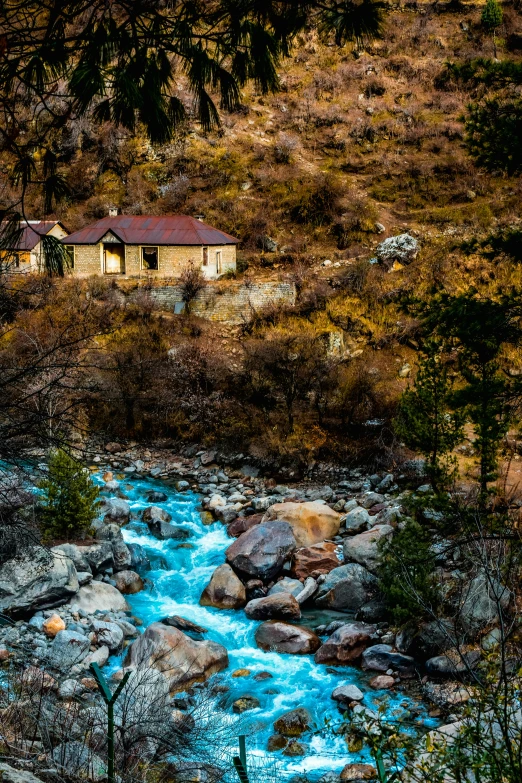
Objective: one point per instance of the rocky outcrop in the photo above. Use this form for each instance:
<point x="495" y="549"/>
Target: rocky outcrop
<point x="99" y="596"/>
<point x="284" y="638"/>
<point x="314" y="560"/>
<point x="36" y="579"/>
<point x="279" y="606"/>
<point x="225" y="590"/>
<point x="346" y="644"/>
<point x="181" y="660"/>
<point x="364" y="548"/>
<point x="311" y="522"/>
<point x="262" y="551"/>
<point x="347" y="588"/>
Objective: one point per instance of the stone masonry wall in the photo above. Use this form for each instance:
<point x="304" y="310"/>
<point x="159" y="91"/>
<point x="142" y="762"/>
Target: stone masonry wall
<point x="231" y="302"/>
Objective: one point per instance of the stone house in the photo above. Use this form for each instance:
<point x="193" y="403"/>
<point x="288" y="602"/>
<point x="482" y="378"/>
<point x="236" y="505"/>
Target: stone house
<point x="26" y="255"/>
<point x="145" y="246"/>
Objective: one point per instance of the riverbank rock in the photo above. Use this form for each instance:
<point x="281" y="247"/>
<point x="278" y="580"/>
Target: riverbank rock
<point x="128" y="582"/>
<point x="346" y="694"/>
<point x="364" y="547"/>
<point x="357" y="520"/>
<point x="120" y="551"/>
<point x="115" y="510"/>
<point x="311" y="522"/>
<point x="382" y="682"/>
<point x="280" y="606"/>
<point x="402" y="249"/>
<point x="225" y="590"/>
<point x="317" y="559"/>
<point x="99" y="596"/>
<point x="287" y="585"/>
<point x="357" y="772"/>
<point x="453" y="663"/>
<point x="293" y="723"/>
<point x="242" y="524"/>
<point x="75" y="554"/>
<point x="285" y="638"/>
<point x="346" y="644"/>
<point x="380" y="658"/>
<point x="244" y="704"/>
<point x="53" y="625"/>
<point x="68" y="649"/>
<point x="36" y="579"/>
<point x="181" y="660"/>
<point x="261" y="551"/>
<point x="347" y="588"/>
<point x="481" y="599"/>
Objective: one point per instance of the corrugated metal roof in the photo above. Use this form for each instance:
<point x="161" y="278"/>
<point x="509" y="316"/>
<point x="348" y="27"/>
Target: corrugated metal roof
<point x="146" y="230"/>
<point x="32" y="233"/>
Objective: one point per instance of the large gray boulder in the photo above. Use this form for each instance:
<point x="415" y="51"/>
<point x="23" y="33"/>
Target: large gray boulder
<point x="181" y="660"/>
<point x="9" y="774"/>
<point x="76" y="759"/>
<point x="36" y="579"/>
<point x="68" y="649"/>
<point x="262" y="551"/>
<point x="365" y="548"/>
<point x="347" y="588"/>
<point x="74" y="553"/>
<point x="346" y="644"/>
<point x="285" y="638"/>
<point x="116" y="510"/>
<point x="225" y="590"/>
<point x="480" y="602"/>
<point x="402" y="248"/>
<point x="287" y="585"/>
<point x="108" y="634"/>
<point x="280" y="606"/>
<point x="381" y="657"/>
<point x="121" y="554"/>
<point x="99" y="556"/>
<point x="97" y="597"/>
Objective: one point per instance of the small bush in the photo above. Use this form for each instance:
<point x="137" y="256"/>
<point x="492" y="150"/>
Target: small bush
<point x="69" y="498"/>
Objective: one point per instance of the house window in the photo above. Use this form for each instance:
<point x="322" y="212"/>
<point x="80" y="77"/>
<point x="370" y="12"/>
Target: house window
<point x="113" y="258"/>
<point x="16" y="260"/>
<point x="69" y="252"/>
<point x="205" y="256"/>
<point x="149" y="258"/>
<point x="218" y="262"/>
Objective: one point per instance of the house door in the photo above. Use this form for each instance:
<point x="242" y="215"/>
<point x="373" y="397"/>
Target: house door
<point x="113" y="259"/>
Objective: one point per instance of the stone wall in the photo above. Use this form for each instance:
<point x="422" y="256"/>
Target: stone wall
<point x="232" y="302"/>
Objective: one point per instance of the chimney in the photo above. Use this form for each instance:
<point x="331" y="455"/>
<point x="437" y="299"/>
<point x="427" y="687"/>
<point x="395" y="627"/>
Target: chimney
<point x="199" y="217"/>
<point x="113" y="211"/>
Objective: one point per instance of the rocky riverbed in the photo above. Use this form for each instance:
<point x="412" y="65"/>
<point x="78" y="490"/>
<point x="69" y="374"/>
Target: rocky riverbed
<point x="198" y="569"/>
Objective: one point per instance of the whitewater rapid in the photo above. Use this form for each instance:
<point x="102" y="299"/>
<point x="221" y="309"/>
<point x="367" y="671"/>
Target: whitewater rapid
<point x="179" y="573"/>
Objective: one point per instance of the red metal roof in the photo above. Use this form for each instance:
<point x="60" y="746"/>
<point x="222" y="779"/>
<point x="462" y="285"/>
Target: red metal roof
<point x="32" y="233"/>
<point x="146" y="230"/>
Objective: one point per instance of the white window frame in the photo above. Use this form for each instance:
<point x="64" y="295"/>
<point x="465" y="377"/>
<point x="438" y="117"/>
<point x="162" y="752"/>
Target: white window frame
<point x="142" y="262"/>
<point x="219" y="261"/>
<point x="204" y="255"/>
<point x="71" y="250"/>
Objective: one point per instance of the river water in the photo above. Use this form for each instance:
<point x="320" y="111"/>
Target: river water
<point x="179" y="573"/>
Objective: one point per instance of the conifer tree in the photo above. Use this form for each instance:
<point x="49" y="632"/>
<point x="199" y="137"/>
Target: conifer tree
<point x="69" y="498"/>
<point x="491" y="19"/>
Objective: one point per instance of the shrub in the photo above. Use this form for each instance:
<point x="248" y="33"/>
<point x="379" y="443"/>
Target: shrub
<point x="69" y="498"/>
<point x="407" y="573"/>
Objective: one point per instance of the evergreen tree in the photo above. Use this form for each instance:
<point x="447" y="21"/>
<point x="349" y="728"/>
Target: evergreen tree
<point x="425" y="421"/>
<point x="492" y="18"/>
<point x="69" y="498"/>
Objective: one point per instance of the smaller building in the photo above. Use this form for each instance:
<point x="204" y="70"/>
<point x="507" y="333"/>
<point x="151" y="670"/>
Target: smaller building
<point x="27" y="254"/>
<point x="145" y="246"/>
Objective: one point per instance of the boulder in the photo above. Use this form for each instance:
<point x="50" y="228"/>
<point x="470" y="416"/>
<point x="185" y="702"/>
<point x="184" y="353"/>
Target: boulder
<point x="76" y="759"/>
<point x="370" y="499"/>
<point x="68" y="649"/>
<point x="120" y="551"/>
<point x="181" y="660"/>
<point x="108" y="634"/>
<point x="453" y="663"/>
<point x="53" y="625"/>
<point x="402" y="249"/>
<point x="317" y="559"/>
<point x="382" y="682"/>
<point x="9" y="774"/>
<point x="480" y="601"/>
<point x="99" y="596"/>
<point x="225" y="590"/>
<point x="357" y="772"/>
<point x="158" y="521"/>
<point x="347" y="588"/>
<point x="261" y="551"/>
<point x="280" y="606"/>
<point x="287" y="585"/>
<point x="311" y="522"/>
<point x="285" y="638"/>
<point x="293" y="723"/>
<point x="75" y="553"/>
<point x="157" y="497"/>
<point x="36" y="579"/>
<point x="116" y="510"/>
<point x="346" y="644"/>
<point x="380" y="658"/>
<point x="242" y="524"/>
<point x="138" y="557"/>
<point x="99" y="556"/>
<point x="346" y="694"/>
<point x="244" y="704"/>
<point x="226" y="514"/>
<point x="357" y="520"/>
<point x="364" y="548"/>
<point x="128" y="582"/>
<point x="154" y="514"/>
